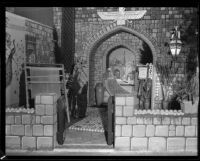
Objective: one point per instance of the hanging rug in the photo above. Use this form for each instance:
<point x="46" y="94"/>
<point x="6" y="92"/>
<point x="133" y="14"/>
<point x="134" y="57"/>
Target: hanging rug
<point x="95" y="121"/>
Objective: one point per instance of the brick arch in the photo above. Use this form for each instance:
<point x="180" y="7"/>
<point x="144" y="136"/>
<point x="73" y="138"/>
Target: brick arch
<point x="96" y="39"/>
<point x="108" y="31"/>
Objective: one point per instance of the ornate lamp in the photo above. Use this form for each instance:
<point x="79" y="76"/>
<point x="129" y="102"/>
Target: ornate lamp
<point x="175" y="42"/>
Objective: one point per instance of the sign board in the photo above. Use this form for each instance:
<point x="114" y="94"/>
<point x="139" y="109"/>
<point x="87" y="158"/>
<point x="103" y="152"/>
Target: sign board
<point x="143" y="72"/>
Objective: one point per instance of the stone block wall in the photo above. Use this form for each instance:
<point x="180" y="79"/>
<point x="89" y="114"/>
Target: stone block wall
<point x="41" y="37"/>
<point x="148" y="132"/>
<point x="90" y="28"/>
<point x="158" y="21"/>
<point x="33" y="131"/>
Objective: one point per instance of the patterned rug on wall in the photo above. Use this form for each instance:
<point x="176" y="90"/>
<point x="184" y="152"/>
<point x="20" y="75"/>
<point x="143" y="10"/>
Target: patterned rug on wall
<point x="95" y="121"/>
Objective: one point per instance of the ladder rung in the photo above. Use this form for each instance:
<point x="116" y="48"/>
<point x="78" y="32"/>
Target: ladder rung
<point x="45" y="82"/>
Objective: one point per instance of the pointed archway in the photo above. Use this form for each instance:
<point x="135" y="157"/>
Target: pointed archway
<point x="97" y="39"/>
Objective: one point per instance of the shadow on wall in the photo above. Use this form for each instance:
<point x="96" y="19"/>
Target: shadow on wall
<point x="146" y="54"/>
<point x="58" y="59"/>
<point x="22" y="89"/>
<point x="57" y="49"/>
<point x="189" y="37"/>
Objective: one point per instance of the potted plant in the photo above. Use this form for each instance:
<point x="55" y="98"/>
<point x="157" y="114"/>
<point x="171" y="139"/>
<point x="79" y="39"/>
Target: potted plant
<point x="166" y="74"/>
<point x="187" y="93"/>
<point x="146" y="93"/>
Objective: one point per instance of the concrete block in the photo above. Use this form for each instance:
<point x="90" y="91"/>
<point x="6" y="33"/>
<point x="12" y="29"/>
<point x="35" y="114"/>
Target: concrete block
<point x="118" y="111"/>
<point x="128" y="111"/>
<point x="120" y="101"/>
<point x="131" y="120"/>
<point x="48" y="130"/>
<point x="55" y="98"/>
<point x="162" y="130"/>
<point x="29" y="143"/>
<point x="189" y="130"/>
<point x="157" y="144"/>
<point x="140" y="120"/>
<point x="194" y="121"/>
<point x="47" y="119"/>
<point x="196" y="130"/>
<point x="120" y="120"/>
<point x="18" y="120"/>
<point x="8" y="130"/>
<point x="12" y="142"/>
<point x="55" y="109"/>
<point x="130" y="101"/>
<point x="26" y="119"/>
<point x="157" y="120"/>
<point x="150" y="130"/>
<point x="179" y="130"/>
<point x="191" y="144"/>
<point x="139" y="130"/>
<point x="9" y="119"/>
<point x="186" y="121"/>
<point x="38" y="119"/>
<point x="118" y="130"/>
<point x="37" y="100"/>
<point x="148" y="120"/>
<point x="166" y="120"/>
<point x="49" y="109"/>
<point x="122" y="143"/>
<point x="172" y="120"/>
<point x="176" y="144"/>
<point x="178" y="120"/>
<point x="28" y="130"/>
<point x="54" y="118"/>
<point x="17" y="130"/>
<point x="40" y="109"/>
<point x="44" y="143"/>
<point x="38" y="130"/>
<point x="126" y="130"/>
<point x="33" y="119"/>
<point x="47" y="100"/>
<point x="172" y="127"/>
<point x="139" y="144"/>
<point x="172" y="133"/>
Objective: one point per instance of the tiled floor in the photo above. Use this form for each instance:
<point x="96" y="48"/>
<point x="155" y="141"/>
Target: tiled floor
<point x="95" y="120"/>
<point x="84" y="140"/>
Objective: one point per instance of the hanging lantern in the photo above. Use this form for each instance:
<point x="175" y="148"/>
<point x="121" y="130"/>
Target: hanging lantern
<point x="175" y="42"/>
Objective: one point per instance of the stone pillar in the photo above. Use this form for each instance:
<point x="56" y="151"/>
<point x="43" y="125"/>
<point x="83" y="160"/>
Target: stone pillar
<point x="46" y="116"/>
<point x="123" y="112"/>
<point x="33" y="131"/>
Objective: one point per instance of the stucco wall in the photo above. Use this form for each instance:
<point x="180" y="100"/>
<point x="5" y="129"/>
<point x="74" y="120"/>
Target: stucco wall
<point x="27" y="41"/>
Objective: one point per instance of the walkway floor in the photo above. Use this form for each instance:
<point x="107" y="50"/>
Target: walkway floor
<point x="84" y="137"/>
<point x="94" y="152"/>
